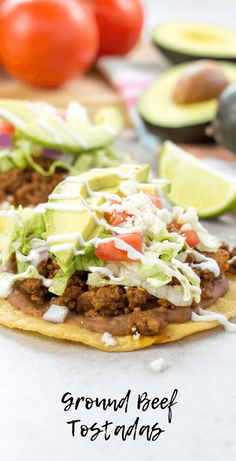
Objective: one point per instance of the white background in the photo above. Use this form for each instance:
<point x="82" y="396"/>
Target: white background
<point x="35" y="371"/>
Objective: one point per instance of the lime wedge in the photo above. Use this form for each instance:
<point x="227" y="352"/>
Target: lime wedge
<point x="195" y="184"/>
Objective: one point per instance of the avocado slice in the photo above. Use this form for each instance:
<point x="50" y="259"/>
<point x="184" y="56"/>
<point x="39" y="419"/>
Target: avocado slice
<point x="185" y="41"/>
<point x="41" y="124"/>
<point x="8" y="227"/>
<point x="223" y="128"/>
<point x="63" y="222"/>
<point x="178" y="122"/>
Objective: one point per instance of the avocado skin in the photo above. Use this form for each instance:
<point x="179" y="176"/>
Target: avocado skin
<point x="177" y="57"/>
<point x="185" y="134"/>
<point x="224" y="126"/>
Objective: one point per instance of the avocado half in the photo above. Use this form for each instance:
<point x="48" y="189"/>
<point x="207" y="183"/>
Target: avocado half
<point x="186" y="41"/>
<point x="224" y="125"/>
<point x="180" y="123"/>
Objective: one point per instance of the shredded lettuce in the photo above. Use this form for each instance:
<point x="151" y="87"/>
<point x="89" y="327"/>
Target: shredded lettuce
<point x="24" y="153"/>
<point x="59" y="282"/>
<point x="101" y="158"/>
<point x="84" y="262"/>
<point x="18" y="228"/>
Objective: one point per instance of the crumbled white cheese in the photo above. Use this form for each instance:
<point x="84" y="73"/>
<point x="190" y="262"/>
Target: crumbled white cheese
<point x="56" y="314"/>
<point x="5" y="205"/>
<point x="158" y="364"/>
<point x="108" y="339"/>
<point x="128" y="187"/>
<point x="136" y="334"/>
<point x="186" y="227"/>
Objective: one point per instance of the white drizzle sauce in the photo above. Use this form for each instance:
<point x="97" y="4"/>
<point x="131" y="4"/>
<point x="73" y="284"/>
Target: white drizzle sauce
<point x="120" y="244"/>
<point x="119" y="174"/>
<point x="8" y="280"/>
<point x="66" y="247"/>
<point x="35" y="256"/>
<point x="46" y="127"/>
<point x="207" y="316"/>
<point x="105" y="271"/>
<point x="6" y="114"/>
<point x="203" y="263"/>
<point x="70" y="132"/>
<point x="99" y="222"/>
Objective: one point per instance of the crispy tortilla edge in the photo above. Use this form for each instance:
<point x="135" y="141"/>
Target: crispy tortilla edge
<point x="12" y="317"/>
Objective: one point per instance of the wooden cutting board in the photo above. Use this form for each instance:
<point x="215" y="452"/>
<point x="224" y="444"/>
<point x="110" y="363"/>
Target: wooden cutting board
<point x="91" y="90"/>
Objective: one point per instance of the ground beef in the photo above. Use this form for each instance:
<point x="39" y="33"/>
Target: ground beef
<point x="34" y="289"/>
<point x="137" y="297"/>
<point x="27" y="187"/>
<point x="113" y="300"/>
<point x="221" y="257"/>
<point x="224" y="245"/>
<point x="232" y="267"/>
<point x="146" y="323"/>
<point x="106" y="301"/>
<point x="75" y="288"/>
<point x="48" y="268"/>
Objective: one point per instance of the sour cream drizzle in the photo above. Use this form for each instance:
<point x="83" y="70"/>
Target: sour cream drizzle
<point x="203" y="262"/>
<point x="232" y="260"/>
<point x="6" y="114"/>
<point x="208" y="316"/>
<point x="133" y="254"/>
<point x="35" y="256"/>
<point x="70" y="132"/>
<point x="8" y="280"/>
<point x="46" y="127"/>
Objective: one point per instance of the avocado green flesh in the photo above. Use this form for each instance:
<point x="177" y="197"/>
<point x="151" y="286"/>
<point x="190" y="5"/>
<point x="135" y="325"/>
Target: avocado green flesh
<point x="198" y="40"/>
<point x="7" y="231"/>
<point x="62" y="222"/>
<point x="49" y="130"/>
<point x="157" y="108"/>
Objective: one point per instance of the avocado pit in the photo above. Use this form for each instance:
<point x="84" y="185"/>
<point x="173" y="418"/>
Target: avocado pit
<point x="202" y="81"/>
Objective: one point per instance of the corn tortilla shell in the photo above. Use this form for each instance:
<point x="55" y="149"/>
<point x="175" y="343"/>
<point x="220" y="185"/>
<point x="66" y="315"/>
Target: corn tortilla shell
<point x="15" y="318"/>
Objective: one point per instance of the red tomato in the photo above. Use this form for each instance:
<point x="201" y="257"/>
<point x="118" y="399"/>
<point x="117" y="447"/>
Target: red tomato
<point x="191" y="236"/>
<point x="116" y="217"/>
<point x="108" y="251"/>
<point x="120" y="24"/>
<point x="47" y="42"/>
<point x="6" y="127"/>
<point x="156" y="201"/>
<point x="119" y="218"/>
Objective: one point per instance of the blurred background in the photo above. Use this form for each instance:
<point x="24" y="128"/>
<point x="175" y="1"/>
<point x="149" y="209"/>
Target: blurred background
<point x="202" y="10"/>
<point x="103" y="52"/>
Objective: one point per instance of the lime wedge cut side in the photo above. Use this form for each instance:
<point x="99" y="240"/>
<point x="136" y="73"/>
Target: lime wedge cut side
<point x="195" y="184"/>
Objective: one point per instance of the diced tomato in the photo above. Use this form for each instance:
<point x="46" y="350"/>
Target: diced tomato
<point x="108" y="251"/>
<point x="6" y="127"/>
<point x="119" y="218"/>
<point x="191" y="236"/>
<point x="116" y="217"/>
<point x="155" y="200"/>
